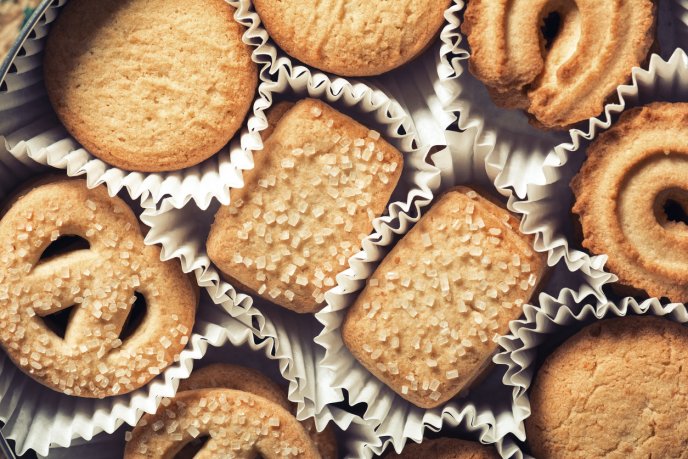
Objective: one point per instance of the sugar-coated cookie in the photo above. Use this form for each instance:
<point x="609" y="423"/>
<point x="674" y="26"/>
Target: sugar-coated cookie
<point x="93" y="358"/>
<point x="316" y="187"/>
<point x="426" y="321"/>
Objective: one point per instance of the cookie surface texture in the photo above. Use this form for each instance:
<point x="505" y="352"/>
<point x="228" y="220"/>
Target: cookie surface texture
<point x="227" y="376"/>
<point x="137" y="85"/>
<point x="92" y="359"/>
<point x="425" y="322"/>
<point x="615" y="390"/>
<point x="569" y="75"/>
<point x="309" y="201"/>
<point x="353" y="37"/>
<point x="238" y="425"/>
<point x="445" y="448"/>
<point x="632" y="197"/>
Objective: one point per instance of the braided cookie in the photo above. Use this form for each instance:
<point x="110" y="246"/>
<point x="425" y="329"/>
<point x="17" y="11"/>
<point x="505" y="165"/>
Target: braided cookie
<point x="227" y="376"/>
<point x="309" y="201"/>
<point x="615" y="390"/>
<point x="139" y="85"/>
<point x="445" y="448"/>
<point x="568" y="79"/>
<point x="100" y="282"/>
<point x="239" y="425"/>
<point x="425" y="323"/>
<point x="356" y="37"/>
<point x="636" y="172"/>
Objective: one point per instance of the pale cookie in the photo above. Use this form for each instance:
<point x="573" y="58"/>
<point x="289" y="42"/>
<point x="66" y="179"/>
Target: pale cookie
<point x="238" y="424"/>
<point x="91" y="360"/>
<point x="425" y="323"/>
<point x="141" y="88"/>
<point x="222" y="375"/>
<point x="309" y="201"/>
<point x="445" y="448"/>
<point x="356" y="37"/>
<point x="615" y="390"/>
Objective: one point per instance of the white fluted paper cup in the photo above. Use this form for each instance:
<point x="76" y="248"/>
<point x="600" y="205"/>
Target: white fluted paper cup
<point x="28" y="126"/>
<point x="527" y="343"/>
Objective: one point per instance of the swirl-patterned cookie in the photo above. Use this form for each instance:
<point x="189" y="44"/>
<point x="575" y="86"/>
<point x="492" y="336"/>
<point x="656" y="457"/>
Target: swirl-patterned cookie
<point x="100" y="283"/>
<point x="356" y="37"/>
<point x="566" y="78"/>
<point x="632" y="198"/>
<point x="236" y="424"/>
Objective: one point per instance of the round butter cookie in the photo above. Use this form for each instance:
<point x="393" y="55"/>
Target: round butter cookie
<point x="354" y="37"/>
<point x="632" y="198"/>
<point x="617" y="389"/>
<point x="149" y="85"/>
<point x="558" y="60"/>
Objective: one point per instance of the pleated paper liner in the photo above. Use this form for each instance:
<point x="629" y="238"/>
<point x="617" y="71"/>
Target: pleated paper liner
<point x="36" y="417"/>
<point x="490" y="405"/>
<point x="547" y="209"/>
<point x="518" y="158"/>
<point x="29" y="126"/>
<point x="183" y="232"/>
<point x="531" y="338"/>
<point x="228" y="342"/>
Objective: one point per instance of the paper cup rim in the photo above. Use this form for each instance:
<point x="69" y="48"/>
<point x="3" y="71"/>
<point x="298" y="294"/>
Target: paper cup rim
<point x="519" y="350"/>
<point x="202" y="183"/>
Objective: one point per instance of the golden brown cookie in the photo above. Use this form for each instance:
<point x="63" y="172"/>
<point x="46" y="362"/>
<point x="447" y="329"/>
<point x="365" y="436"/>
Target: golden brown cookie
<point x="93" y="358"/>
<point x="445" y="448"/>
<point x="565" y="78"/>
<point x="139" y="87"/>
<point x="237" y="424"/>
<point x="617" y="389"/>
<point x="222" y="375"/>
<point x="632" y="197"/>
<point x="424" y="325"/>
<point x="309" y="201"/>
<point x="356" y="37"/>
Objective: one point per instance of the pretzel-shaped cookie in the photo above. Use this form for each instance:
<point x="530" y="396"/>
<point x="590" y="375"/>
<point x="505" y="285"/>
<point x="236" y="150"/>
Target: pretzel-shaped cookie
<point x="239" y="425"/>
<point x="91" y="360"/>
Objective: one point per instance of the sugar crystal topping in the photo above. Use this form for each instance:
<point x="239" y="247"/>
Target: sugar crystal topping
<point x="451" y="287"/>
<point x="239" y="424"/>
<point x="91" y="360"/>
<point x="309" y="230"/>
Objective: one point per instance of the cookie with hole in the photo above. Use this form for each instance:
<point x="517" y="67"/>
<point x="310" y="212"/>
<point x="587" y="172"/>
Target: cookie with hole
<point x="631" y="199"/>
<point x="427" y="320"/>
<point x="560" y="61"/>
<point x="229" y="376"/>
<point x="311" y="198"/>
<point x="96" y="319"/>
<point x="216" y="422"/>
